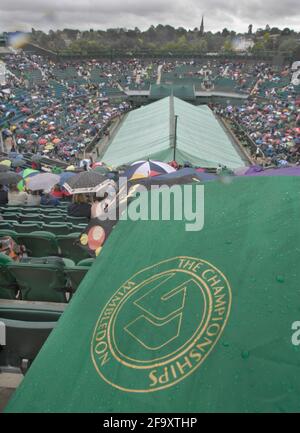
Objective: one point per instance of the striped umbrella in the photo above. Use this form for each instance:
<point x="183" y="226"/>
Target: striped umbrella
<point x="142" y="169"/>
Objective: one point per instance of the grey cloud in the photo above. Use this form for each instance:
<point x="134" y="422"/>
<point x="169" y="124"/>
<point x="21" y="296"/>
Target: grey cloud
<point x="85" y="14"/>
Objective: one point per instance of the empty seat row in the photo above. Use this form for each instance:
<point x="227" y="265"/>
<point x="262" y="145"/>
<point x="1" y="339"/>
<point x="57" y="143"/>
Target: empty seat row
<point x="29" y="226"/>
<point x="43" y="243"/>
<point x="20" y="217"/>
<point x="41" y="209"/>
<point x="46" y="279"/>
<point x="27" y="327"/>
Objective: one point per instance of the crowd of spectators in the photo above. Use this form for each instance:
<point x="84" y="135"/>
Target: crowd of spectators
<point x="34" y="118"/>
<point x="271" y="122"/>
<point x="57" y="109"/>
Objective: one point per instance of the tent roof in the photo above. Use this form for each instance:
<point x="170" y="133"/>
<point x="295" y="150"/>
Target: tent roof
<point x="148" y="132"/>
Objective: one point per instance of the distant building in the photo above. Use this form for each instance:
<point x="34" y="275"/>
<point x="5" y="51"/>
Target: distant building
<point x="3" y="40"/>
<point x="202" y="27"/>
<point x="242" y="44"/>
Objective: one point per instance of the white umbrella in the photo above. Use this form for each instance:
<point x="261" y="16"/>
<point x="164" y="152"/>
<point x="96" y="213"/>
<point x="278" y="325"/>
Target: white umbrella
<point x="42" y="181"/>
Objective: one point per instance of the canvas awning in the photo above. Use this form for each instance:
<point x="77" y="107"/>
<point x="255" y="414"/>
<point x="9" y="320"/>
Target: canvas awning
<point x="149" y="133"/>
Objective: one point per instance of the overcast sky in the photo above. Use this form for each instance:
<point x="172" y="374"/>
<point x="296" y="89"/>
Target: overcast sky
<point x="103" y="14"/>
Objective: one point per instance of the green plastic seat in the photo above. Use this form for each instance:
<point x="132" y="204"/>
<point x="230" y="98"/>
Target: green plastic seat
<point x="57" y="229"/>
<point x="5" y="225"/>
<point x="30" y="210"/>
<point x="76" y="275"/>
<point x="11" y="233"/>
<point x="8" y="208"/>
<point x="55" y="223"/>
<point x="49" y="260"/>
<point x="8" y="284"/>
<point x="48" y="219"/>
<point x="26" y="331"/>
<point x="11" y="216"/>
<point x="46" y="210"/>
<point x="39" y="243"/>
<point x="8" y="213"/>
<point x="86" y="262"/>
<point x="40" y="282"/>
<point x="68" y="247"/>
<point x="76" y="228"/>
<point x="68" y="262"/>
<point x="27" y="227"/>
<point x="29" y="217"/>
<point x="77" y="220"/>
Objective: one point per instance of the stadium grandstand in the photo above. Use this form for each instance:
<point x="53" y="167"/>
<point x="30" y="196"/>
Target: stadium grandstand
<point x="103" y="310"/>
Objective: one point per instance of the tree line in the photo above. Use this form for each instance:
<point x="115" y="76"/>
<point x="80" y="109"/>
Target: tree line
<point x="167" y="39"/>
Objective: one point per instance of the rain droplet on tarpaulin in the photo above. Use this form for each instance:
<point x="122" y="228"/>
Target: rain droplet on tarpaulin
<point x="245" y="354"/>
<point x="280" y="278"/>
<point x="225" y="344"/>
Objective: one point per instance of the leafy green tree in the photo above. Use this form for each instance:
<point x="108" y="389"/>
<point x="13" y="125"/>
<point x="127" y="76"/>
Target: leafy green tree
<point x="228" y="47"/>
<point x="225" y="32"/>
<point x="288" y="44"/>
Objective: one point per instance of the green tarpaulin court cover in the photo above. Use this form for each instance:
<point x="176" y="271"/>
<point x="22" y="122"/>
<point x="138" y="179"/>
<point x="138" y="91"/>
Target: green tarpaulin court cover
<point x="158" y="91"/>
<point x="148" y="133"/>
<point x="168" y="320"/>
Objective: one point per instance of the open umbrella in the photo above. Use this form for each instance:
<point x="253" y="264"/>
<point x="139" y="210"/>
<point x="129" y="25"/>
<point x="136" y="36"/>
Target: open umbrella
<point x="28" y="172"/>
<point x="18" y="162"/>
<point x="6" y="162"/>
<point x="42" y="181"/>
<point x="86" y="182"/>
<point x="49" y="147"/>
<point x="97" y="164"/>
<point x="36" y="158"/>
<point x="13" y="155"/>
<point x="56" y="170"/>
<point x="65" y="176"/>
<point x="142" y="169"/>
<point x="9" y="178"/>
<point x="3" y="168"/>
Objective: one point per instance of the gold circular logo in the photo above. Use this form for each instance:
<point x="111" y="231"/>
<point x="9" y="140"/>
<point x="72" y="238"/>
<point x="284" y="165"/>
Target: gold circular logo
<point x="161" y="324"/>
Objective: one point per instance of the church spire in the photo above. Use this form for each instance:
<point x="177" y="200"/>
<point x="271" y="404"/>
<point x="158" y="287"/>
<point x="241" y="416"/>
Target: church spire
<point x="202" y="27"/>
